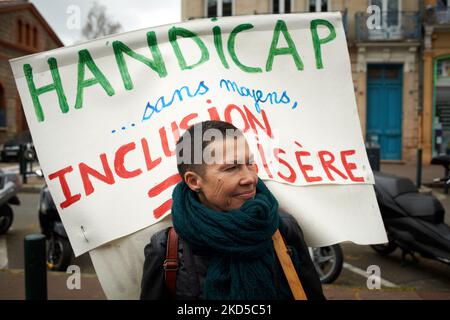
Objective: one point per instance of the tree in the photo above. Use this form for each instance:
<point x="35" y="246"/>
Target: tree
<point x="98" y="24"/>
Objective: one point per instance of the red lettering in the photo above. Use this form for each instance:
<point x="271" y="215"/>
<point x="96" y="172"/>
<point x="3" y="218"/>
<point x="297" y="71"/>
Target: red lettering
<point x="85" y="171"/>
<point x="327" y="165"/>
<point x="119" y="160"/>
<point x="213" y="114"/>
<point x="164" y="141"/>
<point x="184" y="124"/>
<point x="291" y="178"/>
<point x="305" y="167"/>
<point x="61" y="175"/>
<point x="253" y="120"/>
<point x="227" y="114"/>
<point x="148" y="160"/>
<point x="264" y="161"/>
<point x="349" y="166"/>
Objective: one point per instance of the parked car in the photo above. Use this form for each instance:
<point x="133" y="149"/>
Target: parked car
<point x="11" y="148"/>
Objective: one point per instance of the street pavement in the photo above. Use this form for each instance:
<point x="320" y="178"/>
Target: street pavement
<point x="425" y="279"/>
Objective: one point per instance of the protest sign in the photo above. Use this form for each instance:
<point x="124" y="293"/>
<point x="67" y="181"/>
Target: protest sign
<point x="105" y="116"/>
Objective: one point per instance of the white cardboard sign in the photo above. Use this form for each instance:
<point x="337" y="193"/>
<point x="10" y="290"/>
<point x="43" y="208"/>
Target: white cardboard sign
<point x="105" y="116"/>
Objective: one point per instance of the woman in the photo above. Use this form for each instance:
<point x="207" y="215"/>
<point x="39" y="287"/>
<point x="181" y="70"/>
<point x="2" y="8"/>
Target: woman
<point x="225" y="218"/>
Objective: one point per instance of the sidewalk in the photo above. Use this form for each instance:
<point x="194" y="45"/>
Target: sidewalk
<point x="13" y="288"/>
<point x="333" y="292"/>
<point x="34" y="185"/>
<point x="429" y="172"/>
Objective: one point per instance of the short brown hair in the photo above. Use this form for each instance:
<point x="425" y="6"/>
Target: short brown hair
<point x="196" y="133"/>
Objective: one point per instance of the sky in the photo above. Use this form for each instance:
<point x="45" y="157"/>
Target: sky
<point x="63" y="15"/>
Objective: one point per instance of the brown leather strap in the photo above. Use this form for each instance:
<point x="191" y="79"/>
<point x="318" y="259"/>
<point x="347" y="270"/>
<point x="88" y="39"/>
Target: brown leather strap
<point x="171" y="262"/>
<point x="288" y="267"/>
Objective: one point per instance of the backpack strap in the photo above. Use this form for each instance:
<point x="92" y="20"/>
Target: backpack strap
<point x="171" y="263"/>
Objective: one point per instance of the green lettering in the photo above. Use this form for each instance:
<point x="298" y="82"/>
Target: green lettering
<point x="85" y="59"/>
<point x="176" y="32"/>
<point x="291" y="49"/>
<point x="36" y="92"/>
<point x="232" y="51"/>
<point x="157" y="64"/>
<point x="219" y="47"/>
<point x="317" y="42"/>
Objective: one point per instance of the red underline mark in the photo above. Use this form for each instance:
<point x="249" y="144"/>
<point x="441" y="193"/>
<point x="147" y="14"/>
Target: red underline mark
<point x="170" y="181"/>
<point x="166" y="206"/>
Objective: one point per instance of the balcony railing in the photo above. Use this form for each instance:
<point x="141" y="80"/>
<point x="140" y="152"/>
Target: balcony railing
<point x="438" y="16"/>
<point x="343" y="12"/>
<point x="388" y="26"/>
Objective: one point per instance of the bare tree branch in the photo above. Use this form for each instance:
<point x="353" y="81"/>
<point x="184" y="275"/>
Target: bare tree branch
<point x="98" y="24"/>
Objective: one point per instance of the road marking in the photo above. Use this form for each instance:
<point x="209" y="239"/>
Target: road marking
<point x="363" y="273"/>
<point x="3" y="253"/>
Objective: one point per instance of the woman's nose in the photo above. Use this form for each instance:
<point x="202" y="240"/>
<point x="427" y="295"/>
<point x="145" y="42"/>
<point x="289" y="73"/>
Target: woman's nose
<point x="248" y="176"/>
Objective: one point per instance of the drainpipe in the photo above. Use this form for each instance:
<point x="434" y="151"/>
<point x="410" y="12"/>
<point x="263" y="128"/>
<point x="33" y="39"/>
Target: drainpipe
<point x="420" y="110"/>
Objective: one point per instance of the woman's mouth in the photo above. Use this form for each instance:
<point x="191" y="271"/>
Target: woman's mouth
<point x="246" y="195"/>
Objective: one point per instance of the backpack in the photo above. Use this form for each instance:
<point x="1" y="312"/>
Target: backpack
<point x="171" y="264"/>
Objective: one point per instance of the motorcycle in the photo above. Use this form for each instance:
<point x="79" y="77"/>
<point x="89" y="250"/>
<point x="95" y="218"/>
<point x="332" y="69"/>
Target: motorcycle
<point x="414" y="221"/>
<point x="9" y="186"/>
<point x="59" y="250"/>
<point x="328" y="262"/>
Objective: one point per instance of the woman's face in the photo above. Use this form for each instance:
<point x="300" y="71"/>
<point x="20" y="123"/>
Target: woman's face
<point x="231" y="180"/>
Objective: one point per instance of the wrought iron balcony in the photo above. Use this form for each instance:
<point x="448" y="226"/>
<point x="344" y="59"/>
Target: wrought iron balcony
<point x="343" y="12"/>
<point x="388" y="26"/>
<point x="438" y="16"/>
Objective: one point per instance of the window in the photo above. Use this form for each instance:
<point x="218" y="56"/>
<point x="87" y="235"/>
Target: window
<point x="442" y="4"/>
<point x="27" y="34"/>
<point x="443" y="68"/>
<point x="20" y="31"/>
<point x="35" y="37"/>
<point x="281" y="6"/>
<point x="319" y="5"/>
<point x="219" y="8"/>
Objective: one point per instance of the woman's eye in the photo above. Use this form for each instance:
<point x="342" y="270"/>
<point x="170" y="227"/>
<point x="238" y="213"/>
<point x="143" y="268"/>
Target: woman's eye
<point x="231" y="168"/>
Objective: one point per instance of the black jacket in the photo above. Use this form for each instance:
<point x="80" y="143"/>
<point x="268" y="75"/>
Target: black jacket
<point x="192" y="267"/>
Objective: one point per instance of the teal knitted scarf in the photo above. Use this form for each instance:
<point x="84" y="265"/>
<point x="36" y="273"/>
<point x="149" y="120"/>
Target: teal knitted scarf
<point x="239" y="241"/>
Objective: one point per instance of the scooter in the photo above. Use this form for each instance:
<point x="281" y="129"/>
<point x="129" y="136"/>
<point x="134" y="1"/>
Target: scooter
<point x="328" y="262"/>
<point x="59" y="250"/>
<point x="414" y="221"/>
<point x="9" y="186"/>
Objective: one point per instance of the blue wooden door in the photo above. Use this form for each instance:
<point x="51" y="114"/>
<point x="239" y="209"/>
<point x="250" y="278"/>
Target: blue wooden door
<point x="384" y="109"/>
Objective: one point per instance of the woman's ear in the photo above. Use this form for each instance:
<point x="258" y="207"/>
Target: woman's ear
<point x="193" y="180"/>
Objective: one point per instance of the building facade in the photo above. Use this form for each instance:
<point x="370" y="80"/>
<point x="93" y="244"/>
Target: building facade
<point x="436" y="81"/>
<point x="389" y="65"/>
<point x="23" y="31"/>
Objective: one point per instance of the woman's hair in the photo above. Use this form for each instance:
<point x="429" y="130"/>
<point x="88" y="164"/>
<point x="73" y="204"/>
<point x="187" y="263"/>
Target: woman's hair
<point x="199" y="134"/>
